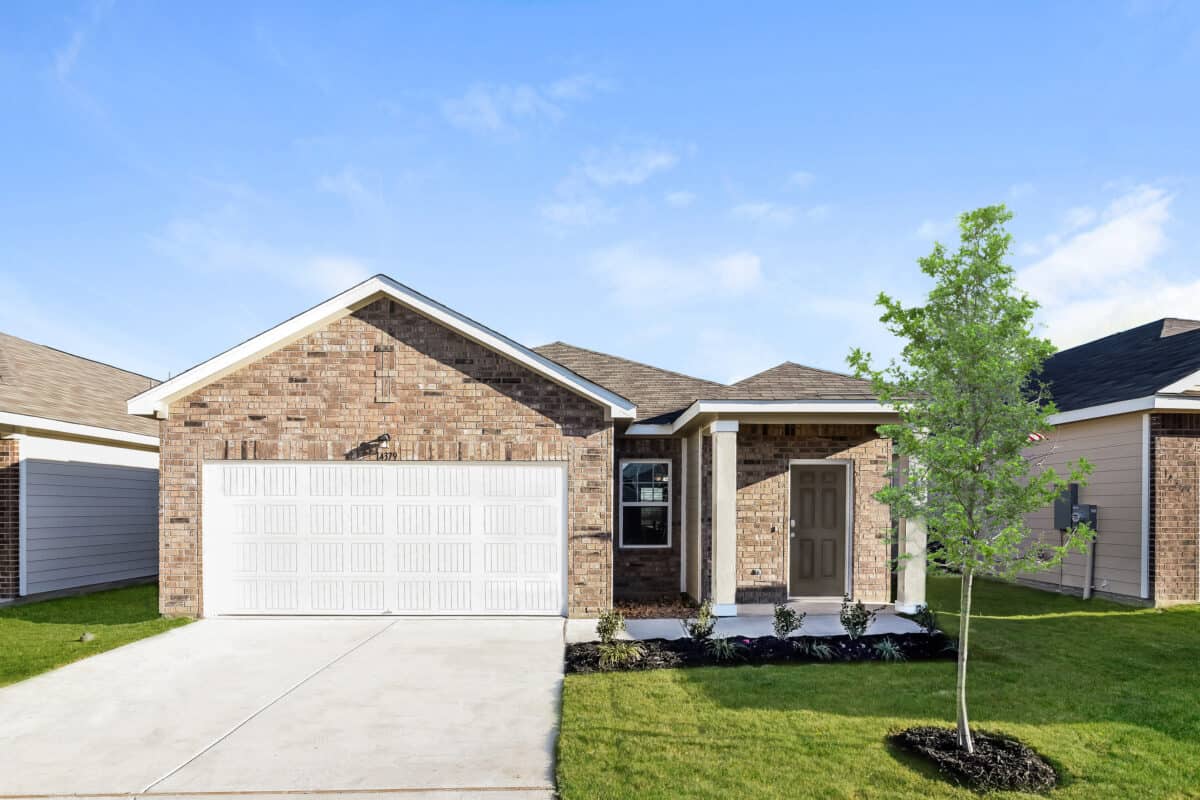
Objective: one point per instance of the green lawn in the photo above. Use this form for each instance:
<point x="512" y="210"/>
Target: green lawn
<point x="42" y="636"/>
<point x="1110" y="695"/>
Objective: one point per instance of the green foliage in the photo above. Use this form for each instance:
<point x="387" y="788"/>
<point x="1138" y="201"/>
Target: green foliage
<point x="968" y="395"/>
<point x="787" y="620"/>
<point x="855" y="617"/>
<point x="927" y="618"/>
<point x="888" y="650"/>
<point x="620" y="653"/>
<point x="724" y="649"/>
<point x="609" y="624"/>
<point x="818" y="650"/>
<point x="701" y="627"/>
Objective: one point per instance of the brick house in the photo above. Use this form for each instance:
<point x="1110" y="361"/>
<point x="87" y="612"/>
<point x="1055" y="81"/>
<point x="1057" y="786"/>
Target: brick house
<point x="382" y="453"/>
<point x="1130" y="404"/>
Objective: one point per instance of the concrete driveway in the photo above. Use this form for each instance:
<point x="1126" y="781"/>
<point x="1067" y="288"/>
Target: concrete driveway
<point x="438" y="708"/>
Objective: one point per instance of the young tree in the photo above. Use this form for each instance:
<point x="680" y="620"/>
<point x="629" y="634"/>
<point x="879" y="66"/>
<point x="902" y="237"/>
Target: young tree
<point x="969" y="397"/>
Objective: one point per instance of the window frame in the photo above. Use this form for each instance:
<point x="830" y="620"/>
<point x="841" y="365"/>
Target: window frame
<point x="623" y="503"/>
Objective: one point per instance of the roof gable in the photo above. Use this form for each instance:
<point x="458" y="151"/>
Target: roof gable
<point x="156" y="401"/>
<point x="39" y="381"/>
<point x="791" y="381"/>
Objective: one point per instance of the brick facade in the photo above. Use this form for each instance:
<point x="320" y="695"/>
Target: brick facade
<point x="387" y="369"/>
<point x="10" y="553"/>
<point x="648" y="574"/>
<point x="1175" y="508"/>
<point x="763" y="490"/>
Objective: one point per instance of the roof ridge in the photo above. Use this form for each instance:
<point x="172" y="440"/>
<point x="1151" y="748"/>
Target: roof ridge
<point x="631" y="361"/>
<point x="81" y="358"/>
<point x="790" y="363"/>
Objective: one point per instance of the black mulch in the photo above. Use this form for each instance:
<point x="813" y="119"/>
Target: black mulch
<point x="671" y="653"/>
<point x="999" y="763"/>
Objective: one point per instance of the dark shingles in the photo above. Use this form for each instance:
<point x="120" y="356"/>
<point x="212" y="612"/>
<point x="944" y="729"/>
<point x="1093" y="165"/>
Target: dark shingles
<point x="791" y="381"/>
<point x="1124" y="366"/>
<point x="40" y="381"/>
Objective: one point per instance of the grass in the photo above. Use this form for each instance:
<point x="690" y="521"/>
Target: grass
<point x="1110" y="694"/>
<point x="41" y="636"/>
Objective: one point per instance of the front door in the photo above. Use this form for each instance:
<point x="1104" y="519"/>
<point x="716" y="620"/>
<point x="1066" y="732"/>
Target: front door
<point x="818" y="531"/>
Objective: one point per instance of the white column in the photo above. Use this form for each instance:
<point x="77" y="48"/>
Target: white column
<point x="724" y="517"/>
<point x="694" y="567"/>
<point x="910" y="581"/>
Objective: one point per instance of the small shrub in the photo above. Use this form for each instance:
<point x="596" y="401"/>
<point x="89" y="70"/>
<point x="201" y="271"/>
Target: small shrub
<point x="620" y="653"/>
<point x="855" y="617"/>
<point x="701" y="627"/>
<point x="927" y="618"/>
<point x="609" y="625"/>
<point x="724" y="649"/>
<point x="887" y="650"/>
<point x="818" y="650"/>
<point x="787" y="620"/>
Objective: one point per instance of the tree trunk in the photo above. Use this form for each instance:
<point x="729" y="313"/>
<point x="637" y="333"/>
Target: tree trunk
<point x="964" y="624"/>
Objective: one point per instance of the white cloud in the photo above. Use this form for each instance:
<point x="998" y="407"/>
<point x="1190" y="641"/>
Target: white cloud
<point x="576" y="212"/>
<point x="1104" y="278"/>
<point x="801" y="179"/>
<point x="500" y="108"/>
<point x="66" y="57"/>
<point x="1019" y="190"/>
<point x="732" y="355"/>
<point x="680" y="199"/>
<point x="931" y="229"/>
<point x="1079" y="217"/>
<point x="772" y="213"/>
<point x="641" y="279"/>
<point x="628" y="167"/>
<point x="578" y="87"/>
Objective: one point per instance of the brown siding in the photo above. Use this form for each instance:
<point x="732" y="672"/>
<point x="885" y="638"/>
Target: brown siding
<point x="1175" y="508"/>
<point x="763" y="487"/>
<point x="444" y="398"/>
<point x="643" y="573"/>
<point x="1114" y="447"/>
<point x="10" y="544"/>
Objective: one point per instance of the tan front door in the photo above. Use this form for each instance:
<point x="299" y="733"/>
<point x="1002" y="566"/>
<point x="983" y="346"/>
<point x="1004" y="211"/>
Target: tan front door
<point x="818" y="531"/>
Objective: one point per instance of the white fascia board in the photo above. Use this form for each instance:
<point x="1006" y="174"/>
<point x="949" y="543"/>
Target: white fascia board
<point x="156" y="401"/>
<point x="760" y="407"/>
<point x="27" y="422"/>
<point x="1151" y="403"/>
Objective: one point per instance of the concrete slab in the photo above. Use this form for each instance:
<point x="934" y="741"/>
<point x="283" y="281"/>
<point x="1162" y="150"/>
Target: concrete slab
<point x="582" y="630"/>
<point x="462" y="708"/>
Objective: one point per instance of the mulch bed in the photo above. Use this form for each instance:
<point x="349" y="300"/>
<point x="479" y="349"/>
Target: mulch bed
<point x="999" y="763"/>
<point x="672" y="653"/>
<point x="664" y="608"/>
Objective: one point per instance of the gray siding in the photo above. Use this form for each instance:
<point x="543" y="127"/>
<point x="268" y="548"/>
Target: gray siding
<point x="88" y="523"/>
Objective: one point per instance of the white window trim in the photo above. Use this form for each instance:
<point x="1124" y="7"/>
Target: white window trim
<point x="643" y="504"/>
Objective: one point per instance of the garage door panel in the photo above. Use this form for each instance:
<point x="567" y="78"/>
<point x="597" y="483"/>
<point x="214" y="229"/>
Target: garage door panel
<point x="415" y="538"/>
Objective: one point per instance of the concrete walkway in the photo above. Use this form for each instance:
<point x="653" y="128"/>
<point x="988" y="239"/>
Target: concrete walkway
<point x="751" y="622"/>
<point x="445" y="708"/>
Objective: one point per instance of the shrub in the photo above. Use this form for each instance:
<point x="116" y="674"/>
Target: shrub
<point x="888" y="650"/>
<point x="701" y="627"/>
<point x="620" y="653"/>
<point x="927" y="618"/>
<point x="818" y="650"/>
<point x="724" y="649"/>
<point x="609" y="625"/>
<point x="855" y="617"/>
<point x="787" y="620"/>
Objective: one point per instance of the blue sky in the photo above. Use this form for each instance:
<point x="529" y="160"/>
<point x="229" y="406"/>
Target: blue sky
<point x="709" y="188"/>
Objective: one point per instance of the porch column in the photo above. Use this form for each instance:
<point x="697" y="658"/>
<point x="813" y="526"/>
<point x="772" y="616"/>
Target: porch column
<point x="724" y="517"/>
<point x="910" y="582"/>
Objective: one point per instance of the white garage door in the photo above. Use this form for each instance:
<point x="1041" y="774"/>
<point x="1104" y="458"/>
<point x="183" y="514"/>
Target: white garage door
<point x="383" y="538"/>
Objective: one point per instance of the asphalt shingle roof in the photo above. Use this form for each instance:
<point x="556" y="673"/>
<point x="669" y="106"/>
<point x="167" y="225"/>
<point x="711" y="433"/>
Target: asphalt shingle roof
<point x="1124" y="366"/>
<point x="662" y="395"/>
<point x="40" y="381"/>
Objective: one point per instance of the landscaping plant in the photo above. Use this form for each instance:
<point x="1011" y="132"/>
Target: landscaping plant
<point x="855" y="617"/>
<point x="701" y="627"/>
<point x="620" y="653"/>
<point x="926" y="617"/>
<point x="969" y="399"/>
<point x="888" y="650"/>
<point x="787" y="620"/>
<point x="609" y="624"/>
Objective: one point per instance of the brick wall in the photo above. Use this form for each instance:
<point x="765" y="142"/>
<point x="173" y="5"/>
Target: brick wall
<point x="387" y="369"/>
<point x="1175" y="507"/>
<point x="10" y="553"/>
<point x="763" y="488"/>
<point x="647" y="574"/>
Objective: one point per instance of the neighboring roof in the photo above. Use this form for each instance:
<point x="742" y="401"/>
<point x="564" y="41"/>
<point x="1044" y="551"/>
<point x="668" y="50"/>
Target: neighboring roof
<point x="791" y="381"/>
<point x="156" y="401"/>
<point x="1133" y="364"/>
<point x="41" y="382"/>
<point x="660" y="394"/>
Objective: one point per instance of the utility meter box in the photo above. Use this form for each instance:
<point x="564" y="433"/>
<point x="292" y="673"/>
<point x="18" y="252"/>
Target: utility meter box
<point x="1069" y="512"/>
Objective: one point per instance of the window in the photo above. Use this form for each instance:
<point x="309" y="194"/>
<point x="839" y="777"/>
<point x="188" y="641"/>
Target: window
<point x="645" y="504"/>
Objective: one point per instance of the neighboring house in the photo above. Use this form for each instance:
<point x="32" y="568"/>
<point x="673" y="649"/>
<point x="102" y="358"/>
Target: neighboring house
<point x="1130" y="404"/>
<point x="78" y="476"/>
<point x="381" y="453"/>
